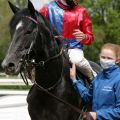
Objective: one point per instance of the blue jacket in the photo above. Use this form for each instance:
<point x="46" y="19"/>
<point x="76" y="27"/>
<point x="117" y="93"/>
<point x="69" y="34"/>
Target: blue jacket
<point x="103" y="94"/>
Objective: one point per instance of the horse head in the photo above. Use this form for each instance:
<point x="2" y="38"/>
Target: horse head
<point x="27" y="29"/>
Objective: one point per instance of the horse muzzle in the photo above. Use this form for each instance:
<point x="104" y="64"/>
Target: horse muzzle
<point x="11" y="68"/>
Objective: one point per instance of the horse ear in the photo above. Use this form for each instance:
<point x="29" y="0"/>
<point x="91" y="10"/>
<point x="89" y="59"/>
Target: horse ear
<point x="31" y="8"/>
<point x="13" y="7"/>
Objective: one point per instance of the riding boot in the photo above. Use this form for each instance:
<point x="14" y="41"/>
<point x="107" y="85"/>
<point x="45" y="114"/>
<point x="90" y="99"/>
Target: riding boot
<point x="88" y="73"/>
<point x="87" y="70"/>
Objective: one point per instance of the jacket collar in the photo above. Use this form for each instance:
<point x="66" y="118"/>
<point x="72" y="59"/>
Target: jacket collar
<point x="63" y="2"/>
<point x="108" y="73"/>
<point x="61" y="5"/>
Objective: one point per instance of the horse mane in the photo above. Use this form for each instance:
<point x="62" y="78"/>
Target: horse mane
<point x="49" y="27"/>
<point x="45" y="21"/>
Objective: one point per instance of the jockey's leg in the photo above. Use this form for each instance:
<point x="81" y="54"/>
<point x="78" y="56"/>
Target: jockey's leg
<point x="77" y="56"/>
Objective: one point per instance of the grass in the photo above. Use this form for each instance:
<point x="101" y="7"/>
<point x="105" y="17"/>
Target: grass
<point x="9" y="77"/>
<point x="15" y="87"/>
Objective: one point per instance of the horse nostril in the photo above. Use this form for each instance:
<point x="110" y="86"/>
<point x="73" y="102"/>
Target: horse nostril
<point x="11" y="65"/>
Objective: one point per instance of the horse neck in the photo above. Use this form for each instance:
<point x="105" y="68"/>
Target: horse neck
<point x="50" y="74"/>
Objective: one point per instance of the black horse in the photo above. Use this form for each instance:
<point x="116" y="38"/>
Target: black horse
<point x="33" y="42"/>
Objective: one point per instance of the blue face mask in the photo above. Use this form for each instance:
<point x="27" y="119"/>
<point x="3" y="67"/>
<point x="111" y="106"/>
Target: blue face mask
<point x="106" y="63"/>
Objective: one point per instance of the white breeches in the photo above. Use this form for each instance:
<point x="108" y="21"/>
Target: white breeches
<point x="77" y="56"/>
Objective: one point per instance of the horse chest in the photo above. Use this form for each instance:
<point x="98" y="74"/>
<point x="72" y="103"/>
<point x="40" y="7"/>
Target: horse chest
<point x="43" y="107"/>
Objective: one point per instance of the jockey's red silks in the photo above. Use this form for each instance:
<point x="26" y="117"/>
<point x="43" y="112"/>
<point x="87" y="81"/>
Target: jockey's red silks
<point x="66" y="21"/>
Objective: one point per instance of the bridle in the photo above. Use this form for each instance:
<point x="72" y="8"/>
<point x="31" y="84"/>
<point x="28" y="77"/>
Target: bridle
<point x="25" y="60"/>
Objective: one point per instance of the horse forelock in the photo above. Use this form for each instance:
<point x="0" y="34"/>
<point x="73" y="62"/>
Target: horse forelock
<point x="19" y="25"/>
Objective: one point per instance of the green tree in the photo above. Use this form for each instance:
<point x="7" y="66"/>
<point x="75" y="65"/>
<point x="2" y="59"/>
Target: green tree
<point x="105" y="15"/>
<point x="5" y="16"/>
<point x="4" y="34"/>
<point x="20" y="3"/>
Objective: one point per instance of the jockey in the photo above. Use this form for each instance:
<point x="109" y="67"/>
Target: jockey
<point x="73" y="23"/>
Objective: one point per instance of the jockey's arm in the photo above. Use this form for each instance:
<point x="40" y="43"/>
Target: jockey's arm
<point x="87" y="29"/>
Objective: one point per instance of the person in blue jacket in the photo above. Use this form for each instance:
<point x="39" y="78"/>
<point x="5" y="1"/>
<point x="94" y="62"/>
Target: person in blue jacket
<point x="104" y="91"/>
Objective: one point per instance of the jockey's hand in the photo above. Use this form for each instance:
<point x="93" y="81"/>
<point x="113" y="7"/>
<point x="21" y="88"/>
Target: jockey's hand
<point x="90" y="116"/>
<point x="73" y="72"/>
<point x="79" y="35"/>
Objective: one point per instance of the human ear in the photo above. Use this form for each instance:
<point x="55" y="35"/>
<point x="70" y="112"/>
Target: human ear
<point x="118" y="61"/>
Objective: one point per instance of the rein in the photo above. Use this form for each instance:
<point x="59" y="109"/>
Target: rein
<point x="76" y="109"/>
<point x="27" y="61"/>
<point x="42" y="63"/>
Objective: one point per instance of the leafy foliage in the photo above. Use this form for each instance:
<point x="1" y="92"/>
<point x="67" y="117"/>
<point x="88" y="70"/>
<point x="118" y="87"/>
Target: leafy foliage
<point x="4" y="34"/>
<point x="105" y="15"/>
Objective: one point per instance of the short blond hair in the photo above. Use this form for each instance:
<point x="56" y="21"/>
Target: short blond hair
<point x="114" y="47"/>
